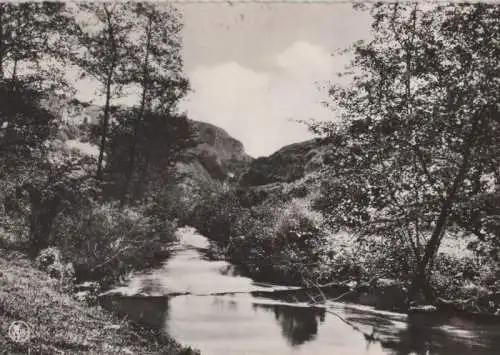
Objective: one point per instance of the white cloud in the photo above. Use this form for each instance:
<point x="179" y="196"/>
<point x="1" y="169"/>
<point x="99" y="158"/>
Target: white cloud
<point x="256" y="106"/>
<point x="305" y="60"/>
<point x="225" y="91"/>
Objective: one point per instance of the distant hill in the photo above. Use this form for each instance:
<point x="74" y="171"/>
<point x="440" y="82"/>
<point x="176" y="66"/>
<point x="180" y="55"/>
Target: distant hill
<point x="217" y="159"/>
<point x="222" y="156"/>
<point x="290" y="163"/>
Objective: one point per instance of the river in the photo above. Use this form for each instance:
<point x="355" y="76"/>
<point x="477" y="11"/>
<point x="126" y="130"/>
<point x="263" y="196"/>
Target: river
<point x="205" y="304"/>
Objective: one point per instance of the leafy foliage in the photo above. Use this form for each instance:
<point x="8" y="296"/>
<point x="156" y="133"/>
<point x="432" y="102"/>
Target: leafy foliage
<point x="105" y="242"/>
<point x="419" y="127"/>
<point x="157" y="149"/>
<point x="31" y="34"/>
<point x="217" y="214"/>
<point x="271" y="240"/>
<point x="50" y="197"/>
<point x="132" y="47"/>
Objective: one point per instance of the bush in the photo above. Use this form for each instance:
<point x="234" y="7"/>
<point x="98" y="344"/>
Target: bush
<point x="466" y="278"/>
<point x="275" y="245"/>
<point x="216" y="215"/>
<point x="105" y="242"/>
<point x="341" y="262"/>
<point x="250" y="245"/>
<point x="345" y="257"/>
<point x="299" y="238"/>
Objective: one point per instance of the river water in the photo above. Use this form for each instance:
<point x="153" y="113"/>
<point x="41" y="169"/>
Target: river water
<point x="207" y="305"/>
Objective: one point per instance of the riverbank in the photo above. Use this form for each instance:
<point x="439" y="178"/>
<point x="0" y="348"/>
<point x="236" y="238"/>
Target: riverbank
<point x="373" y="289"/>
<point x="60" y="324"/>
<point x="290" y="240"/>
<point x="371" y="286"/>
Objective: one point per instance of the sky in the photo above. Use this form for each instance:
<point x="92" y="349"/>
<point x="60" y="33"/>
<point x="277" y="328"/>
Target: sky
<point x="257" y="68"/>
<point x="254" y="68"/>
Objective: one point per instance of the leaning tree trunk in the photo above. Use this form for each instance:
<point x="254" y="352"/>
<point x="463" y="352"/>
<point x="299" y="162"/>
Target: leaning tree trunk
<point x="420" y="280"/>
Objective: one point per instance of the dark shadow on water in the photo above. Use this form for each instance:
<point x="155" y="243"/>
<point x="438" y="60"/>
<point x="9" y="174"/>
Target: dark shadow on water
<point x="298" y="324"/>
<point x="150" y="312"/>
<point x="428" y="334"/>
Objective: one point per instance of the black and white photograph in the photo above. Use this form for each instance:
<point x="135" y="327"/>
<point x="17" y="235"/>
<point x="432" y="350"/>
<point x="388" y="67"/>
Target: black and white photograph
<point x="250" y="177"/>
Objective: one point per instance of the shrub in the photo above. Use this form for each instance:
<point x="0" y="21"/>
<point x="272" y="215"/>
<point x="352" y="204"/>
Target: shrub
<point x="278" y="245"/>
<point x="341" y="262"/>
<point x="216" y="215"/>
<point x="299" y="238"/>
<point x="250" y="245"/>
<point x="345" y="256"/>
<point x="461" y="277"/>
<point x="105" y="242"/>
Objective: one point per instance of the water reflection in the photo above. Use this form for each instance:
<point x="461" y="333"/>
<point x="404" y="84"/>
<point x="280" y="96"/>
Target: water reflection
<point x="249" y="322"/>
<point x="424" y="334"/>
<point x="244" y="325"/>
<point x="148" y="311"/>
<point x="298" y="324"/>
<point x="224" y="304"/>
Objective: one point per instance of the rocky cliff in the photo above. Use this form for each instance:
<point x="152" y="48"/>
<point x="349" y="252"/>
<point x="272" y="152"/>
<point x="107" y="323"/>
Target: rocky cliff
<point x="220" y="155"/>
<point x="290" y="163"/>
<point x="217" y="159"/>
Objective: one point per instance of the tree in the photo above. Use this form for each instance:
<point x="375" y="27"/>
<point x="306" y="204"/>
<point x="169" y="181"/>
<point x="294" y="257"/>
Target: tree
<point x="30" y="35"/>
<point x="157" y="70"/>
<point x="104" y="53"/>
<point x="33" y="45"/>
<point x="419" y="127"/>
<point x="162" y="140"/>
<point x="35" y="182"/>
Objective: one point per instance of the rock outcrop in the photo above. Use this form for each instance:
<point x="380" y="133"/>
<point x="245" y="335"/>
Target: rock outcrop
<point x="288" y="164"/>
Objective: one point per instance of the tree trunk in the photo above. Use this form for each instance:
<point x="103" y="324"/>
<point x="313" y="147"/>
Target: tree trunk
<point x="143" y="175"/>
<point x="43" y="214"/>
<point x="138" y="120"/>
<point x="420" y="282"/>
<point x="2" y="47"/>
<point x="104" y="127"/>
<point x="16" y="62"/>
<point x="109" y="82"/>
